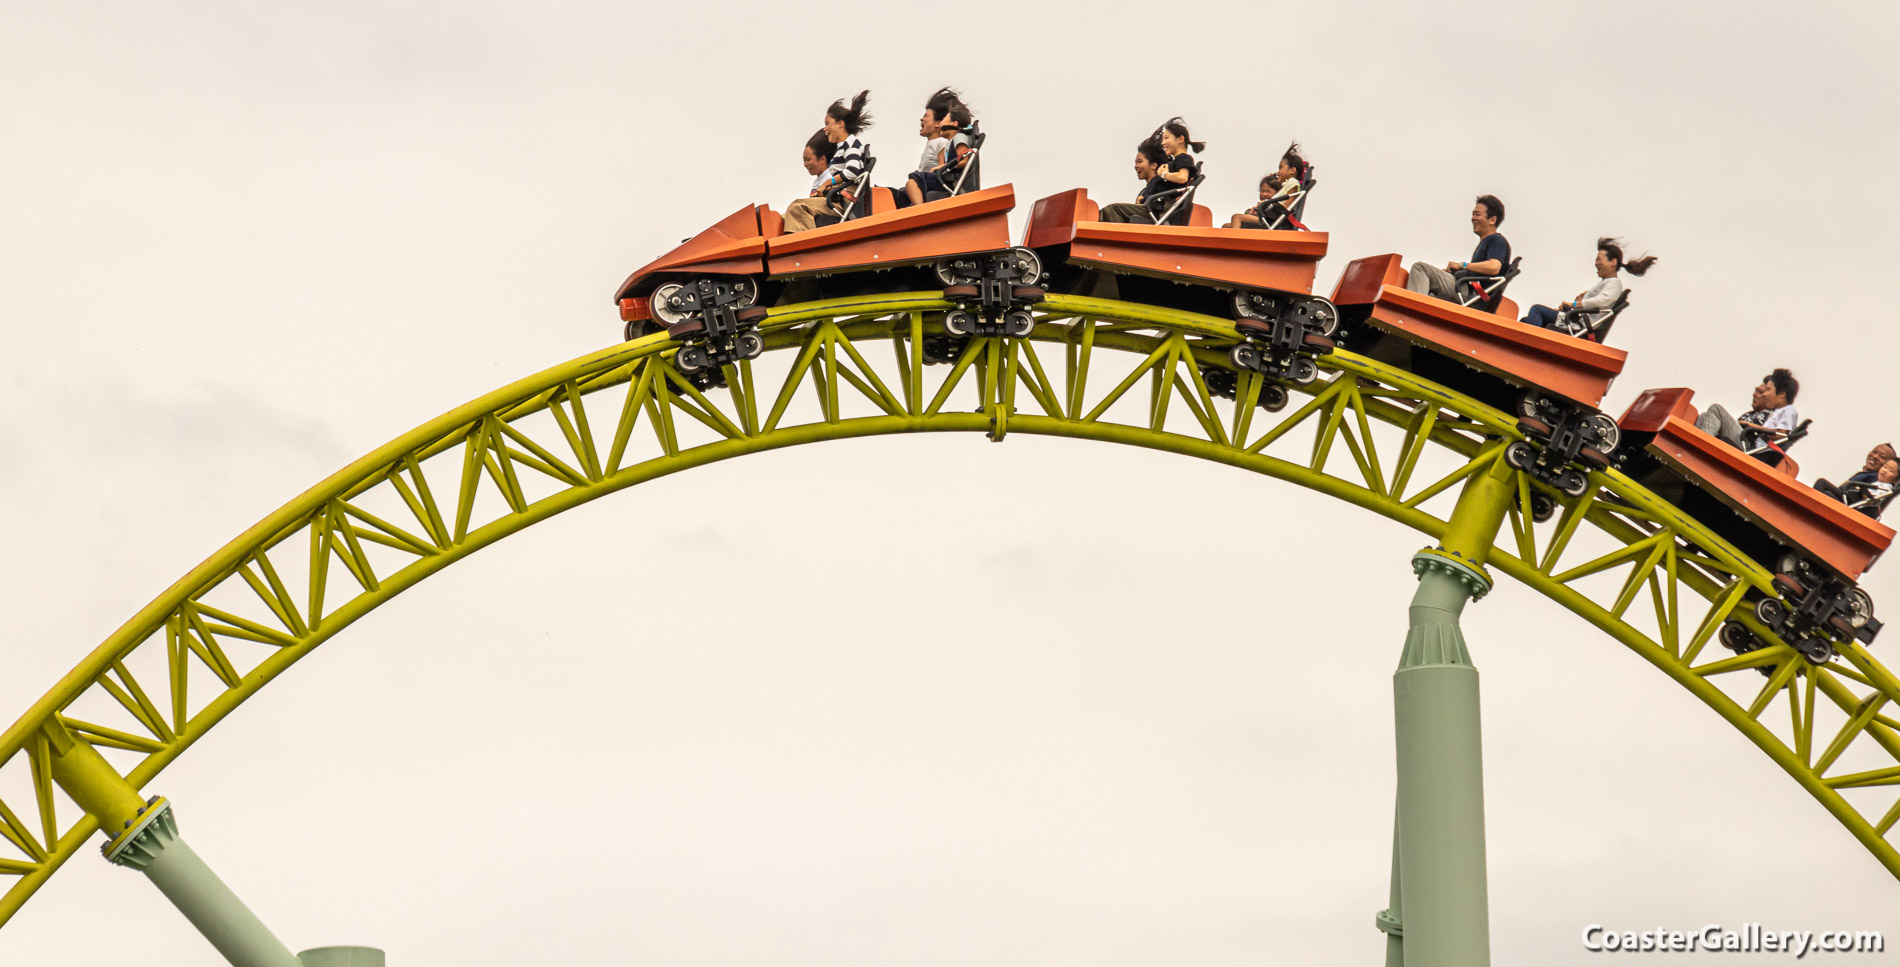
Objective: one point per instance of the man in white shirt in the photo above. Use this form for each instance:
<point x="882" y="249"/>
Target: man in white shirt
<point x="1770" y="419"/>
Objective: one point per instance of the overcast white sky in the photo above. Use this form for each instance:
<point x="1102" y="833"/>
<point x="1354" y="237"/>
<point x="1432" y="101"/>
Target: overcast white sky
<point x="1137" y="714"/>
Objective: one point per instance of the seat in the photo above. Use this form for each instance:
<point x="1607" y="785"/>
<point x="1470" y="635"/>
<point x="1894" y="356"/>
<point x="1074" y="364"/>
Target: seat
<point x="1775" y="453"/>
<point x="1599" y="331"/>
<point x="969" y="176"/>
<point x="1482" y="292"/>
<point x="856" y="199"/>
<point x="1164" y="205"/>
<point x="1291" y="216"/>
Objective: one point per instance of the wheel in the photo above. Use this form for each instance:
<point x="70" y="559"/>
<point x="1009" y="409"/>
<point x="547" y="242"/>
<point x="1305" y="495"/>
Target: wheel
<point x="1860" y="608"/>
<point x="947" y="272"/>
<point x="959" y="293"/>
<point x="1257" y="328"/>
<point x="633" y="329"/>
<point x="1790" y="563"/>
<point x="1018" y="324"/>
<point x="1028" y="293"/>
<point x="1789" y="586"/>
<point x="745" y="292"/>
<point x="1529" y="405"/>
<point x="1321" y="317"/>
<point x="1245" y="356"/>
<point x="1303" y="370"/>
<point x="1605" y="431"/>
<point x="691" y="359"/>
<point x="1818" y="651"/>
<point x="1273" y="398"/>
<point x="1520" y="455"/>
<point x="1028" y="266"/>
<point x="686" y="330"/>
<point x="1737" y="638"/>
<point x="1318" y="343"/>
<point x="750" y="345"/>
<point x="959" y="323"/>
<point x="1251" y="305"/>
<point x="1532" y="426"/>
<point x="1771" y="612"/>
<point x="1220" y="382"/>
<point x="750" y="314"/>
<point x="1593" y="458"/>
<point x="1542" y="507"/>
<point x="663" y="307"/>
<point x="1573" y="483"/>
<point x="1842" y="626"/>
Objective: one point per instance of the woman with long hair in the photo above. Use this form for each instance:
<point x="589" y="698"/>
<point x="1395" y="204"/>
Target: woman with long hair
<point x="1591" y="306"/>
<point x="842" y="124"/>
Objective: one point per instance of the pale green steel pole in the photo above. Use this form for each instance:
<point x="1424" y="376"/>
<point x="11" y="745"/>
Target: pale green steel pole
<point x="1440" y="902"/>
<point x="178" y="872"/>
<point x="1390" y="921"/>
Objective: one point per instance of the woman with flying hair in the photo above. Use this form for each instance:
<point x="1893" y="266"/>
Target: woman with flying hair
<point x="842" y="124"/>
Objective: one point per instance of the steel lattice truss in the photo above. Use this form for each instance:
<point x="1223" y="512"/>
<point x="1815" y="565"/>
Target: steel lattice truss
<point x="1367" y="433"/>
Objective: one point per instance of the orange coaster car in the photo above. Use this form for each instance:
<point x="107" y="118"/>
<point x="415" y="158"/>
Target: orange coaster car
<point x="711" y="291"/>
<point x="1261" y="279"/>
<point x="1816" y="546"/>
<point x="1553" y="382"/>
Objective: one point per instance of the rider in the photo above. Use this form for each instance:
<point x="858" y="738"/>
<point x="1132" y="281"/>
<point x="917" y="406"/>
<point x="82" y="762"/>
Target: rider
<point x="817" y="159"/>
<point x="1770" y="419"/>
<point x="930" y="128"/>
<point x="1291" y="176"/>
<point x="1490" y="259"/>
<point x="1868" y="474"/>
<point x="1148" y="158"/>
<point x="936" y="170"/>
<point x="1178" y="168"/>
<point x="842" y="124"/>
<point x="1591" y="306"/>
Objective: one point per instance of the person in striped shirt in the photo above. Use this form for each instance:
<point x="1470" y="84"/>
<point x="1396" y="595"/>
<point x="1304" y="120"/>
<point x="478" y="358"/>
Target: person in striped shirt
<point x="842" y="124"/>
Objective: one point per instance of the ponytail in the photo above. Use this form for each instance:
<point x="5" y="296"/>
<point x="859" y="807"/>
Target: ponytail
<point x="855" y="117"/>
<point x="1614" y="249"/>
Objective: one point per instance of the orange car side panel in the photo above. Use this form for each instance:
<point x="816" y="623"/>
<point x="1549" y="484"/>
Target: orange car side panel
<point x="976" y="222"/>
<point x="1526" y="355"/>
<point x="1286" y="261"/>
<point x="733" y="246"/>
<point x="1844" y="539"/>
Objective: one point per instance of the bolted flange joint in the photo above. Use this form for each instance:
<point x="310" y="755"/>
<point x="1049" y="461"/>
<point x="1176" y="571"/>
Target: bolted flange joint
<point x="1471" y="574"/>
<point x="1388" y="924"/>
<point x="129" y="847"/>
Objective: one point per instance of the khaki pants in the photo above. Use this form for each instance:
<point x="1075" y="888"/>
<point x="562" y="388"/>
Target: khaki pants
<point x="802" y="215"/>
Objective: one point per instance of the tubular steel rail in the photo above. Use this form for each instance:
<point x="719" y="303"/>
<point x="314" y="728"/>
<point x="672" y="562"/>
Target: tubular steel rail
<point x="1367" y="433"/>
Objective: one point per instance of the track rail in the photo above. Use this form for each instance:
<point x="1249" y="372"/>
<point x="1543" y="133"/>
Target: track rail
<point x="1366" y="433"/>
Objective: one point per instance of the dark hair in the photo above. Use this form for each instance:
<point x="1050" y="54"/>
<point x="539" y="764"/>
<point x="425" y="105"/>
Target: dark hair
<point x="946" y="102"/>
<point x="1785" y="383"/>
<point x="1614" y="249"/>
<point x="855" y="117"/>
<point x="959" y="117"/>
<point x="1150" y="148"/>
<point x="821" y="146"/>
<point x="1301" y="170"/>
<point x="1175" y="127"/>
<point x="1492" y="207"/>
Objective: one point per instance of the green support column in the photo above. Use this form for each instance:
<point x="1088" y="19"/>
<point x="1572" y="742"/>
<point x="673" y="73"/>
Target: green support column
<point x="143" y="835"/>
<point x="1440" y="913"/>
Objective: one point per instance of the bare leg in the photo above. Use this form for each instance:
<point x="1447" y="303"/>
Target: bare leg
<point x="914" y="193"/>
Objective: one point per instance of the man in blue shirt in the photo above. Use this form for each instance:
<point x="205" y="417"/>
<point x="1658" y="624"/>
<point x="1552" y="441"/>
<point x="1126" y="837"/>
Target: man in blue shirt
<point x="1491" y="257"/>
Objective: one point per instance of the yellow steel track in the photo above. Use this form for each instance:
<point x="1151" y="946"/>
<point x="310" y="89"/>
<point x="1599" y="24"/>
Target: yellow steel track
<point x="1366" y="433"/>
